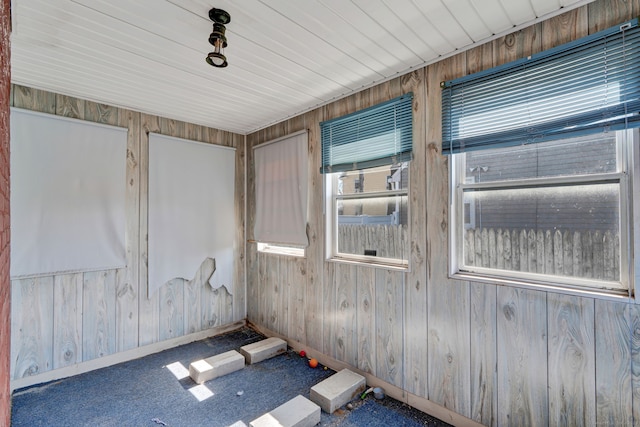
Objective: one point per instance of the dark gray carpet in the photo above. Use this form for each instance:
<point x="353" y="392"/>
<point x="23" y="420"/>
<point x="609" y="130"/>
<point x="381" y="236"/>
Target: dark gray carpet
<point x="144" y="392"/>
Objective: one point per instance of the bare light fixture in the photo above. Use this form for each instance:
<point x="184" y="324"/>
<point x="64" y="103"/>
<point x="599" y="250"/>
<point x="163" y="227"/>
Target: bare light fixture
<point x="217" y="37"/>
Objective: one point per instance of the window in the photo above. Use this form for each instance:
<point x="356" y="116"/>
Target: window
<point x="554" y="212"/>
<point x="543" y="166"/>
<point x="370" y="221"/>
<point x="366" y="161"/>
<point x="281" y="195"/>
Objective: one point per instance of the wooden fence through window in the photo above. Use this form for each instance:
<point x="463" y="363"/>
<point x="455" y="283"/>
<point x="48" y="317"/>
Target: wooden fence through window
<point x="586" y="254"/>
<point x="389" y="241"/>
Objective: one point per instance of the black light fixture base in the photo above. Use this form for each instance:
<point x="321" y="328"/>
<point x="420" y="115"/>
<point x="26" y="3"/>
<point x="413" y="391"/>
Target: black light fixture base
<point x="220" y="16"/>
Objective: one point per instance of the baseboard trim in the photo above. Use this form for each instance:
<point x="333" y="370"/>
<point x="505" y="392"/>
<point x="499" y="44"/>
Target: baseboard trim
<point x="125" y="356"/>
<point x="418" y="402"/>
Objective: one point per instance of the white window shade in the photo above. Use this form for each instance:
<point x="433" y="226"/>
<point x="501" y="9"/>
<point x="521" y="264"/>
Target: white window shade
<point x="68" y="184"/>
<point x="281" y="190"/>
<point x="191" y="210"/>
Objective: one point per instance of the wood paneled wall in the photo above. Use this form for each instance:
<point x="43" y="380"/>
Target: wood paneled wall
<point x="494" y="354"/>
<point x="63" y="320"/>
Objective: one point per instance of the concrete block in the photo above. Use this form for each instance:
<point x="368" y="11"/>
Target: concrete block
<point x="337" y="390"/>
<point x="298" y="412"/>
<point x="215" y="366"/>
<point x="262" y="350"/>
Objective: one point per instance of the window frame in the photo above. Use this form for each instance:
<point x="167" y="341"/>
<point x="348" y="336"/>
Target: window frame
<point x="331" y="234"/>
<point x="628" y="179"/>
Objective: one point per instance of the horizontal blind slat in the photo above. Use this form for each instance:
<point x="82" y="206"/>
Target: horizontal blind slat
<point x="586" y="86"/>
<point x="375" y="136"/>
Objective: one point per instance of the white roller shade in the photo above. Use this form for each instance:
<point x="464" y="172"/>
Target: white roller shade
<point x="68" y="182"/>
<point x="281" y="191"/>
<point x="191" y="210"/>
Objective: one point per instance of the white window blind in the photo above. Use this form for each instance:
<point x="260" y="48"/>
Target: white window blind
<point x="191" y="210"/>
<point x="281" y="190"/>
<point x="376" y="136"/>
<point x="68" y="185"/>
<point x="587" y="86"/>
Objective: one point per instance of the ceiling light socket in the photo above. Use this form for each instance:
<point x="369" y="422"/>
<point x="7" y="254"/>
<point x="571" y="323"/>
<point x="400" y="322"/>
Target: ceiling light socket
<point x="220" y="16"/>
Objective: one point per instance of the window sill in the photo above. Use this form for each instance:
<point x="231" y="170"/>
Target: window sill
<point x="371" y="263"/>
<point x="619" y="295"/>
<point x="288" y="251"/>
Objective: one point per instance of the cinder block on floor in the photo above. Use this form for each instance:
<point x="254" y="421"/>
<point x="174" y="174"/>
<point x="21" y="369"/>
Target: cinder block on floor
<point x="262" y="350"/>
<point x="298" y="412"/>
<point x="337" y="390"/>
<point x="215" y="366"/>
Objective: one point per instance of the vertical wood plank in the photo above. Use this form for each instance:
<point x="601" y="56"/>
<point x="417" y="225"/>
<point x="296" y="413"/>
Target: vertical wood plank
<point x="197" y="307"/>
<point x="69" y="106"/>
<point x="519" y="44"/>
<point x="171" y="313"/>
<point x="272" y="289"/>
<point x="483" y="304"/>
<point x="98" y="314"/>
<point x="127" y="285"/>
<point x="283" y="283"/>
<point x="447" y="300"/>
<point x="330" y="308"/>
<point x="366" y="320"/>
<point x="106" y="114"/>
<point x="171" y="127"/>
<point x="252" y="264"/>
<point x="346" y="326"/>
<point x="297" y="276"/>
<point x="261" y="288"/>
<point x="522" y="357"/>
<point x="564" y="28"/>
<point x="31" y="326"/>
<point x="634" y="315"/>
<point x="613" y="363"/>
<point x="389" y="322"/>
<point x="253" y="283"/>
<point x="239" y="277"/>
<point x="148" y="305"/>
<point x="572" y="368"/>
<point x="448" y="345"/>
<point x="415" y="355"/>
<point x="483" y="337"/>
<point x="193" y="132"/>
<point x="67" y="320"/>
<point x="315" y="231"/>
<point x="208" y="304"/>
<point x="226" y="305"/>
<point x="193" y="300"/>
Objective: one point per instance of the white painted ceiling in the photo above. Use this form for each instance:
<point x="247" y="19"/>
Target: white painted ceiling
<point x="285" y="56"/>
